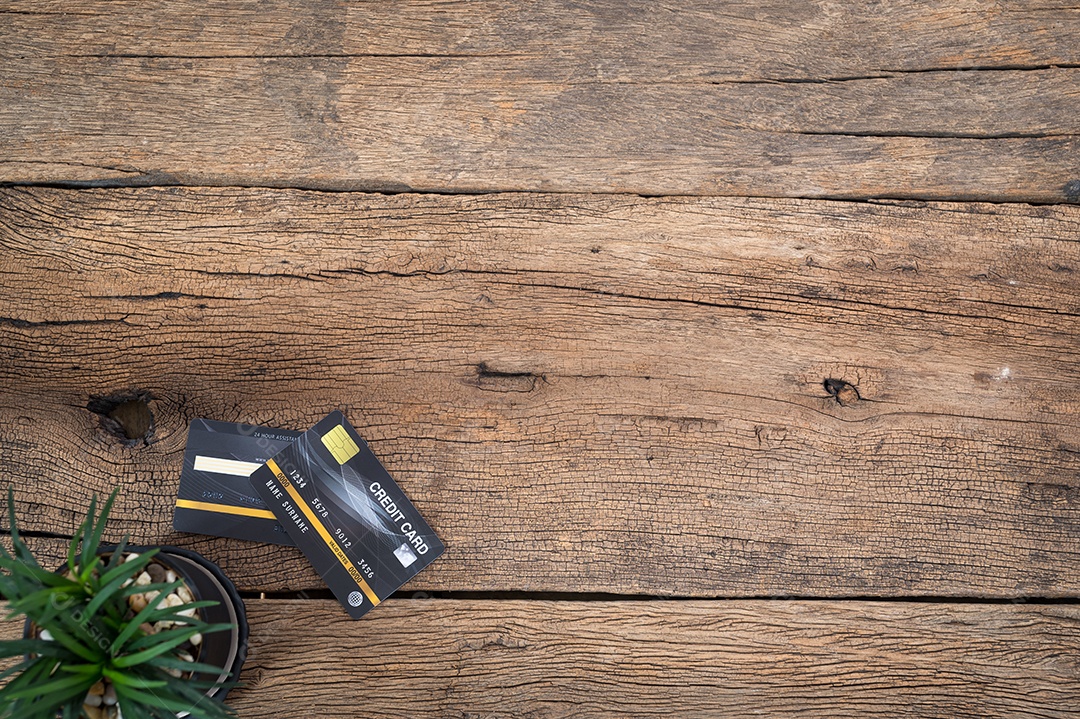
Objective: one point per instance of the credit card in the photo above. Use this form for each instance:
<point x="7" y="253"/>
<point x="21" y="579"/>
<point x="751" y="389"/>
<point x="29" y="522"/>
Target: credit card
<point x="215" y="496"/>
<point x="352" y="521"/>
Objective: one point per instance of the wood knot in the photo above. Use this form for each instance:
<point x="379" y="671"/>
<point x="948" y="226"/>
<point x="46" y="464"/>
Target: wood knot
<point x="845" y="393"/>
<point x="125" y="415"/>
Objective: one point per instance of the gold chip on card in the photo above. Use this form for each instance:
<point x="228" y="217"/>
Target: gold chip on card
<point x="340" y="444"/>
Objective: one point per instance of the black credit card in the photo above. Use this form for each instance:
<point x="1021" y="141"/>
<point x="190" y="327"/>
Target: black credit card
<point x="215" y="496"/>
<point x="340" y="506"/>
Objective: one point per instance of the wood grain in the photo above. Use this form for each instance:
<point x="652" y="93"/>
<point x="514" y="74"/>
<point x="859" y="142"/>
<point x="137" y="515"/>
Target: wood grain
<point x="581" y="393"/>
<point x="584" y="660"/>
<point x="931" y="100"/>
<point x="803" y="40"/>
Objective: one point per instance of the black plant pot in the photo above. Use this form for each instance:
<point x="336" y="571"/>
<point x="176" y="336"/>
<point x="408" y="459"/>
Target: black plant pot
<point x="227" y="650"/>
<point x="205" y="579"/>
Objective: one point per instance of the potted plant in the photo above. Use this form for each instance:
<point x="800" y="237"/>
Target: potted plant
<point x="118" y="632"/>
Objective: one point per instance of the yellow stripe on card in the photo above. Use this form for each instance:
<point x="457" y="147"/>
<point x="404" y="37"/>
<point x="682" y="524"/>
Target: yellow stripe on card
<point x="225" y="509"/>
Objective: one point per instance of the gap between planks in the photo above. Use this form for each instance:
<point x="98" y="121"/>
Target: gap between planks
<point x="153" y="179"/>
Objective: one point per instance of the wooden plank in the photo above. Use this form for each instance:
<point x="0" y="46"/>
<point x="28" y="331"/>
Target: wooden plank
<point x="581" y="393"/>
<point x="543" y="660"/>
<point x="970" y="100"/>
<point x="804" y="40"/>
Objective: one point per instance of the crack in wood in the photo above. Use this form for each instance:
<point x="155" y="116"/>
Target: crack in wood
<point x="287" y="56"/>
<point x="494" y="380"/>
<point x="931" y="135"/>
<point x="170" y="295"/>
<point x="16" y="322"/>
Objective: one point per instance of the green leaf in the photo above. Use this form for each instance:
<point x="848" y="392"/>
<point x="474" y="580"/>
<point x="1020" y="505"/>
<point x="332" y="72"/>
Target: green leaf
<point x="72" y="710"/>
<point x="73" y="548"/>
<point x="124" y="568"/>
<point x="117" y="556"/>
<point x="171" y="642"/>
<point x="37" y="574"/>
<point x="166" y="587"/>
<point x="87" y="575"/>
<point x="60" y="607"/>
<point x="7" y="586"/>
<point x="132" y="710"/>
<point x="38" y="668"/>
<point x="95" y="669"/>
<point x="84" y="528"/>
<point x="51" y="704"/>
<point x="43" y="689"/>
<point x="172" y="614"/>
<point x="34" y="600"/>
<point x="71" y="619"/>
<point x="112" y="581"/>
<point x="152" y="640"/>
<point x="203" y="706"/>
<point x="132" y="681"/>
<point x="91" y="544"/>
<point x="151" y="699"/>
<point x="214" y="628"/>
<point x="171" y="661"/>
<point x="170" y="639"/>
<point x="133" y="626"/>
<point x="179" y="622"/>
<point x="19" y="647"/>
<point x="200" y="604"/>
<point x="21" y="552"/>
<point x="74" y="645"/>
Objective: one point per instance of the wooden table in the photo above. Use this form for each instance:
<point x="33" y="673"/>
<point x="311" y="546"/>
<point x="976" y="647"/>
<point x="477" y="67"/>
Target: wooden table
<point x="731" y="347"/>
